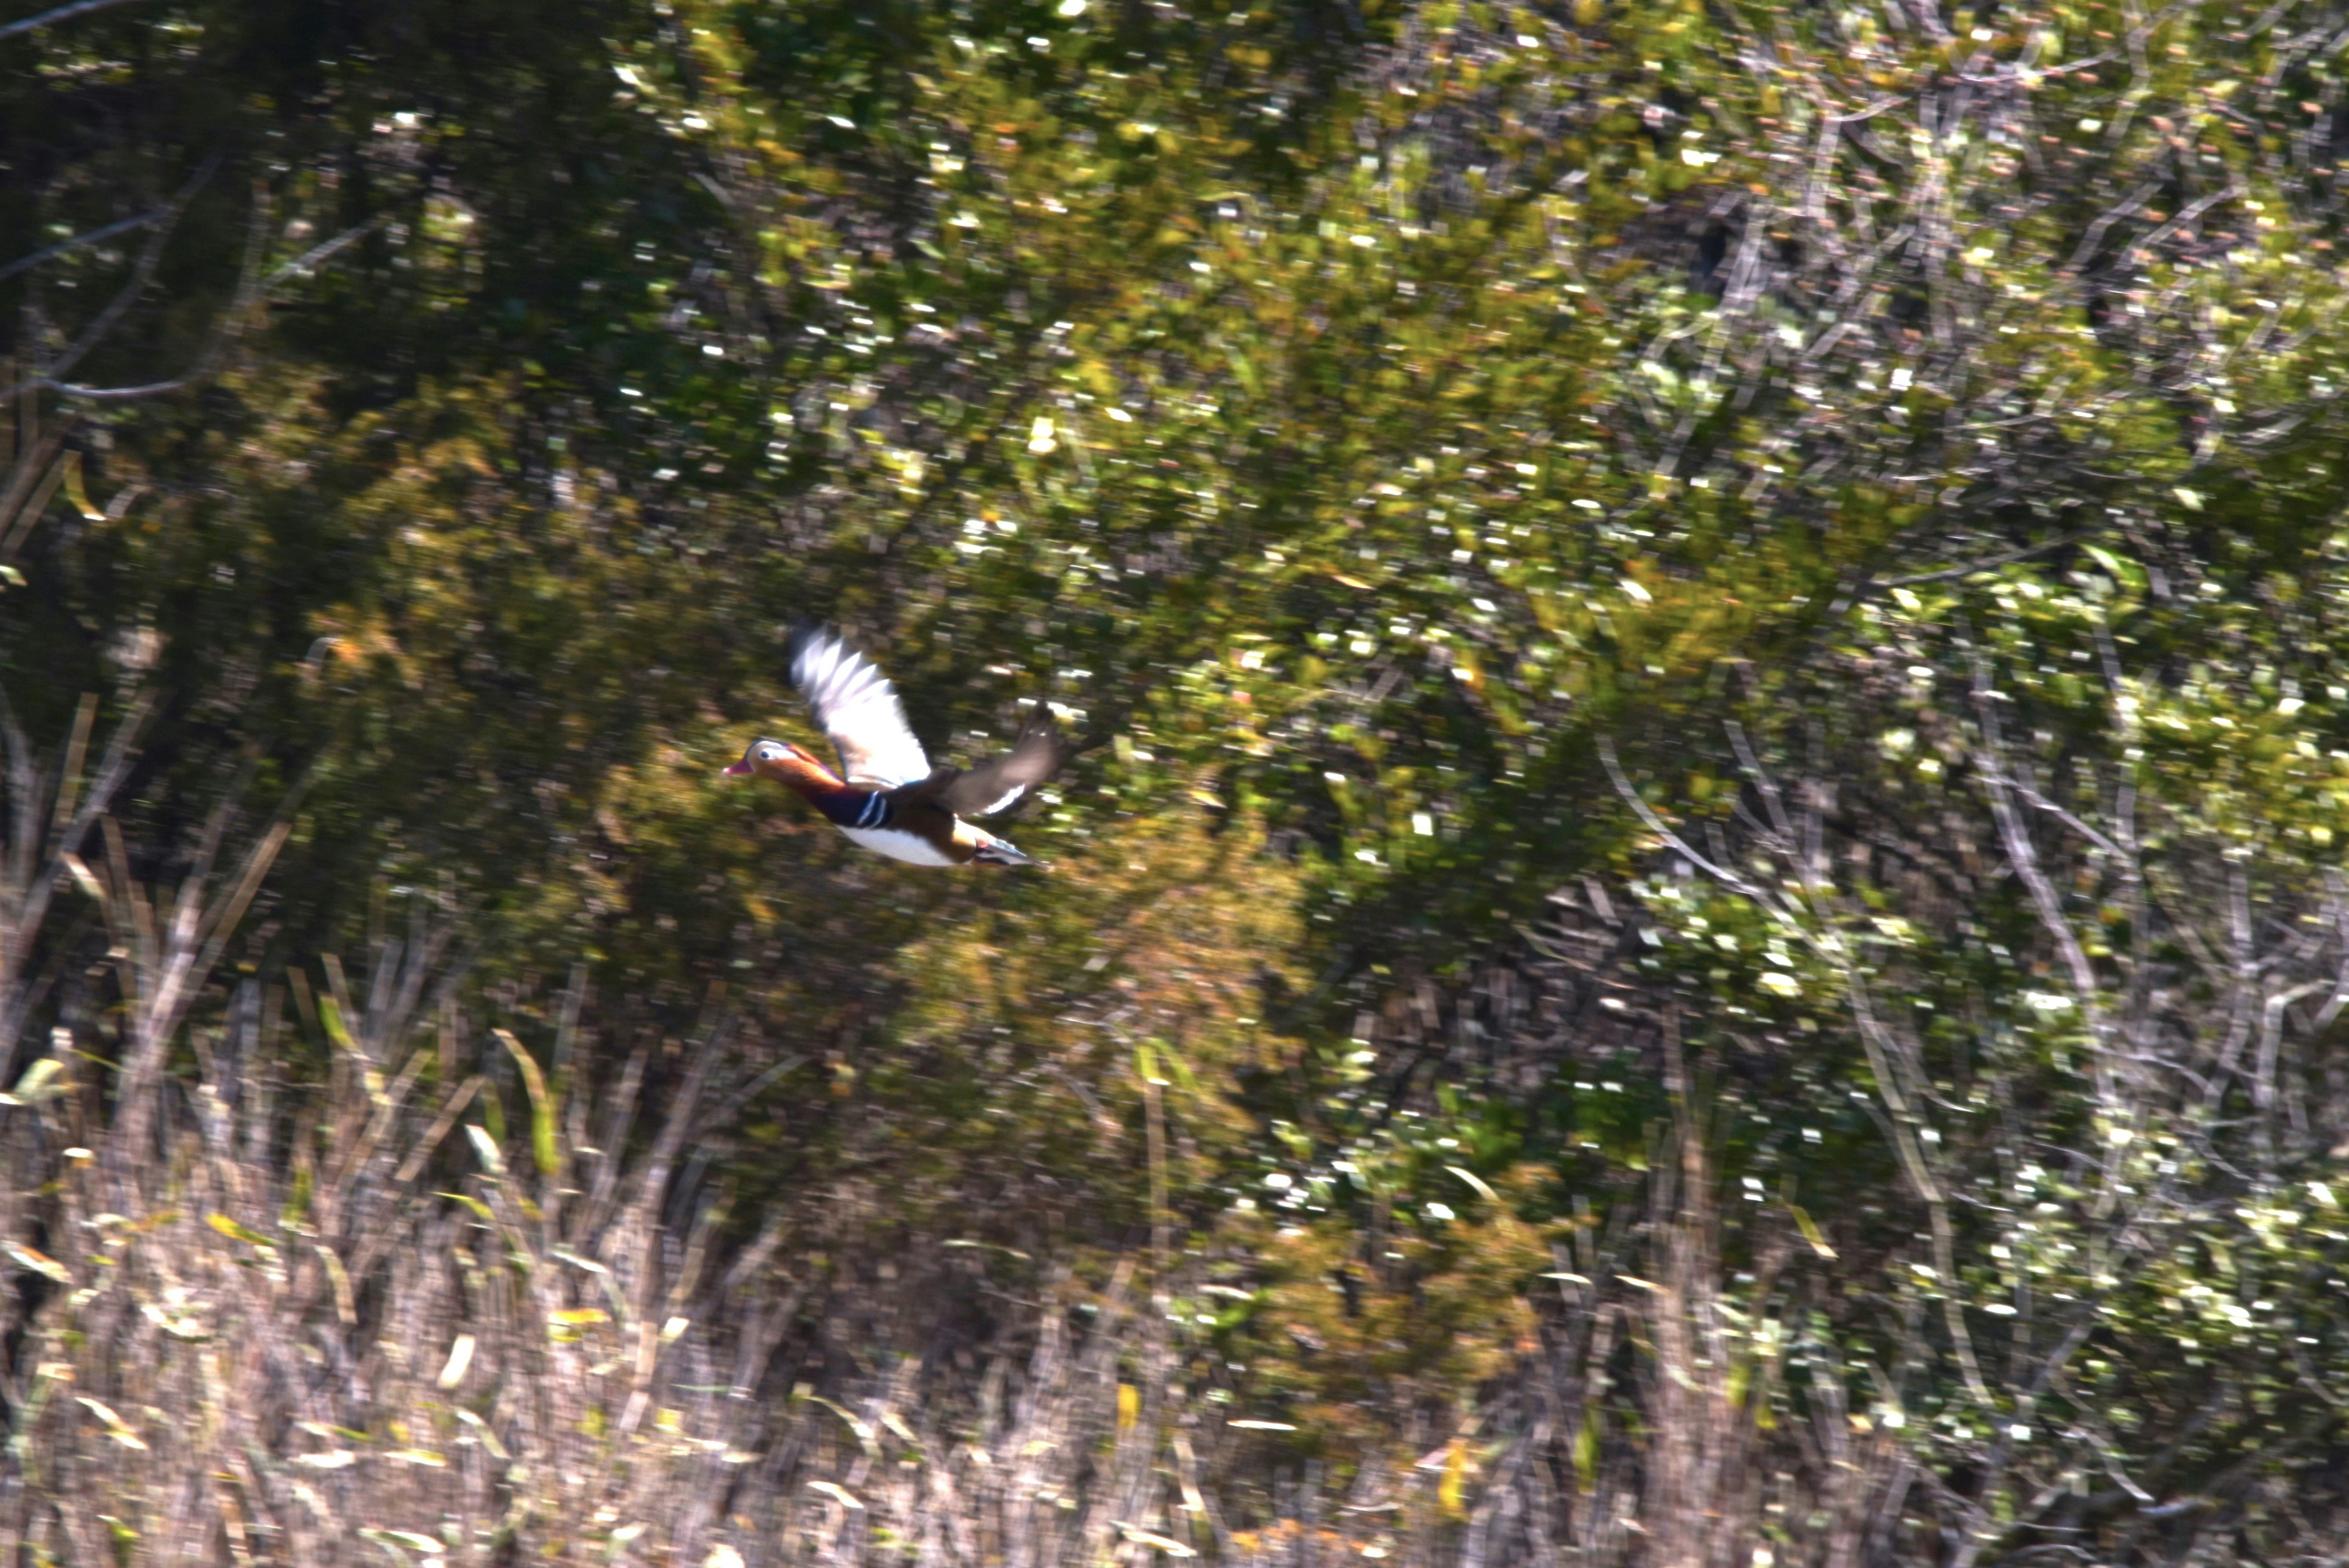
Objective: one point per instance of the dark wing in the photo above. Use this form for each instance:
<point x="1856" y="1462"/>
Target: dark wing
<point x="856" y="706"/>
<point x="1005" y="781"/>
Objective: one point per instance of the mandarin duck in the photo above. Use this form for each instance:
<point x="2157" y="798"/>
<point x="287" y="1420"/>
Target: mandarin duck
<point x="886" y="797"/>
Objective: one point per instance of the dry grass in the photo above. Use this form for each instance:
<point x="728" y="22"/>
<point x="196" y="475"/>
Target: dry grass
<point x="335" y="1324"/>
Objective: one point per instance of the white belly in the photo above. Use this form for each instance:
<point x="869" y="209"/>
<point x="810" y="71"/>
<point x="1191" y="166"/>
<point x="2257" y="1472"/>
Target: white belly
<point x="898" y="844"/>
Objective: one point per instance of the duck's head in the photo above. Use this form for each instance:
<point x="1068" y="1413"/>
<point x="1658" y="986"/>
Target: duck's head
<point x="779" y="761"/>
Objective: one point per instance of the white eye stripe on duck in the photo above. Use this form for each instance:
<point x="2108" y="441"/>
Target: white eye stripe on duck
<point x="771" y="753"/>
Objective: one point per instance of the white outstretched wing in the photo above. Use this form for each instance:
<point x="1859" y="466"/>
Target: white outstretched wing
<point x="856" y="706"/>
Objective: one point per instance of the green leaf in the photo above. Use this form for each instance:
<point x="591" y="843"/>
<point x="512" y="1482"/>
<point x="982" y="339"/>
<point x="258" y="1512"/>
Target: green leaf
<point x="2124" y="571"/>
<point x="543" y="1142"/>
<point x="331" y="1015"/>
<point x="481" y="1209"/>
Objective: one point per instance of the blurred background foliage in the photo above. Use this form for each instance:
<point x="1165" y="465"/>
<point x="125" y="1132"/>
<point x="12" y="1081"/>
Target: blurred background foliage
<point x="1701" y="922"/>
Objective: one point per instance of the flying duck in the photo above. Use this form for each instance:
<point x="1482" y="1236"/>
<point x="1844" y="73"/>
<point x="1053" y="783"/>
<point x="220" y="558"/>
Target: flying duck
<point x="886" y="797"/>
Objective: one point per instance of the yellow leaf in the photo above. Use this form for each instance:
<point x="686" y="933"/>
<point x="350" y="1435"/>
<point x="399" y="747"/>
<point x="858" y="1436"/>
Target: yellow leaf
<point x="1811" y="1232"/>
<point x="234" y="1232"/>
<point x="1450" y="1492"/>
<point x="460" y="1356"/>
<point x="489" y="1439"/>
<point x="40" y="1082"/>
<point x="1486" y="1193"/>
<point x="78" y="496"/>
<point x="346" y="1304"/>
<point x="481" y="1209"/>
<point x="1159" y="1542"/>
<point x="39" y="1262"/>
<point x="115" y="1425"/>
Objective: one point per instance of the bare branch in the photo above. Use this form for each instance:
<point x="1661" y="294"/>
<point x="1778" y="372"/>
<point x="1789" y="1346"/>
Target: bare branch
<point x="141" y="273"/>
<point x="252" y="294"/>
<point x="51" y="18"/>
<point x="95" y="236"/>
<point x="2023" y="856"/>
<point x="1657" y="825"/>
<point x="1989" y="564"/>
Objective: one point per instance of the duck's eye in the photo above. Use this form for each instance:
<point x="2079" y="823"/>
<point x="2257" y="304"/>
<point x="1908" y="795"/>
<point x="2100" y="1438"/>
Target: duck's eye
<point x="771" y="753"/>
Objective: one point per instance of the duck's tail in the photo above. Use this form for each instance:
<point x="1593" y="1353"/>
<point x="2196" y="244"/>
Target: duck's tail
<point x="994" y="851"/>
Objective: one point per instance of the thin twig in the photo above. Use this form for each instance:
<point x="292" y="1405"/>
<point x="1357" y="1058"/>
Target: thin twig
<point x="1990" y="564"/>
<point x="62" y="14"/>
<point x="95" y="236"/>
<point x="232" y="326"/>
